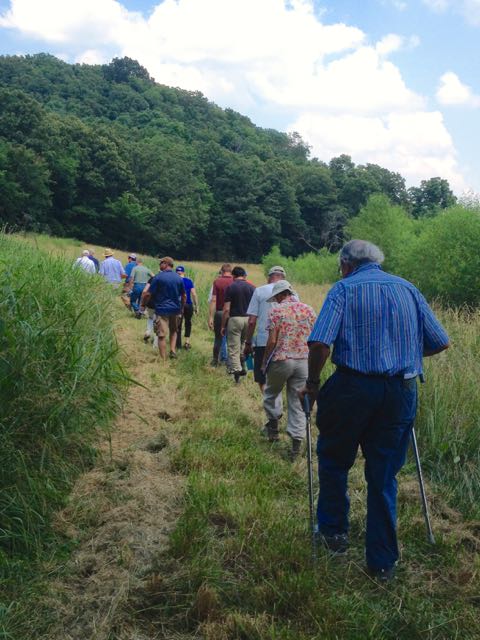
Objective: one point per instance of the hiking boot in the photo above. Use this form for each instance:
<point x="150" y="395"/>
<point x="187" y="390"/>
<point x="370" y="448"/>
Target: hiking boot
<point x="382" y="575"/>
<point x="214" y="363"/>
<point x="296" y="448"/>
<point x="336" y="544"/>
<point x="146" y="338"/>
<point x="272" y="430"/>
<point x="173" y="355"/>
<point x="236" y="376"/>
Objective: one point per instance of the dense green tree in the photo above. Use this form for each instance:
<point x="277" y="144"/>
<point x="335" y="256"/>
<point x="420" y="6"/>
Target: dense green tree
<point x="432" y="196"/>
<point x="103" y="153"/>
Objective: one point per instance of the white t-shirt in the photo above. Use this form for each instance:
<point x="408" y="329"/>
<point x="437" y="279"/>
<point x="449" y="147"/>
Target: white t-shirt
<point x="86" y="264"/>
<point x="260" y="307"/>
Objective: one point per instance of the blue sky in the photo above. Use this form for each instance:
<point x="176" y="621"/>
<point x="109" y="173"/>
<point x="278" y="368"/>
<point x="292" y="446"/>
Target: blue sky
<point x="388" y="81"/>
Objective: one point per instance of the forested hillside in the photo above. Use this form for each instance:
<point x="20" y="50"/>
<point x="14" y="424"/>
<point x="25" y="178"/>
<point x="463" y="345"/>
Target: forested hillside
<point x="105" y="154"/>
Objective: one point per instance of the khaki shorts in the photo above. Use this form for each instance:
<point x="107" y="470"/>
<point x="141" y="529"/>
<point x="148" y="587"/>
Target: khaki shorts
<point x="165" y="324"/>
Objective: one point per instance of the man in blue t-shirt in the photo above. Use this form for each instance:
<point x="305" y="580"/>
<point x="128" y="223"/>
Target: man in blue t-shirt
<point x="190" y="307"/>
<point x="168" y="295"/>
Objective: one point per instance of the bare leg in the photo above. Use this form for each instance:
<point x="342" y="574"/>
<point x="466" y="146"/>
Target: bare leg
<point x="262" y="387"/>
<point x="173" y="341"/>
<point x="162" y="347"/>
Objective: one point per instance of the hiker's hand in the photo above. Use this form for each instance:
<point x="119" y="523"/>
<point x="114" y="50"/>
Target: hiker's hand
<point x="210" y="324"/>
<point x="195" y="311"/>
<point x="222" y="332"/>
<point x="248" y="349"/>
<point x="311" y="390"/>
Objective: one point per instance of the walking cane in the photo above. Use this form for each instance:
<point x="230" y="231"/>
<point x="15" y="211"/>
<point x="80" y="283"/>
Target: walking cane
<point x="426" y="515"/>
<point x="308" y="416"/>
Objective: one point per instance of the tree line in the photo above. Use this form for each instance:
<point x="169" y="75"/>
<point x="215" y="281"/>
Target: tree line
<point x="104" y="154"/>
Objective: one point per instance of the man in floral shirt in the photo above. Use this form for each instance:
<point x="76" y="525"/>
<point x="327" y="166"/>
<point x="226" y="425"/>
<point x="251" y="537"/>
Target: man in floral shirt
<point x="286" y="362"/>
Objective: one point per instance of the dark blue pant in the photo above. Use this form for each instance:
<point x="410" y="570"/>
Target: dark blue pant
<point x="136" y="294"/>
<point x="376" y="414"/>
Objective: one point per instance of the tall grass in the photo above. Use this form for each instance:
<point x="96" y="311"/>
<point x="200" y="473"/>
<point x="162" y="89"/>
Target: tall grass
<point x="448" y="422"/>
<point x="241" y="560"/>
<point x="60" y="380"/>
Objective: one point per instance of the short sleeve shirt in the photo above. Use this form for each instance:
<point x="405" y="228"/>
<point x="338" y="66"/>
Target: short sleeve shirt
<point x="189" y="285"/>
<point x="294" y="322"/>
<point x="166" y="290"/>
<point x="218" y="290"/>
<point x="140" y="274"/>
<point x="129" y="267"/>
<point x="239" y="295"/>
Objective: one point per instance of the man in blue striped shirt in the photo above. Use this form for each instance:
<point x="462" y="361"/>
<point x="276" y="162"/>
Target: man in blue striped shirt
<point x="380" y="327"/>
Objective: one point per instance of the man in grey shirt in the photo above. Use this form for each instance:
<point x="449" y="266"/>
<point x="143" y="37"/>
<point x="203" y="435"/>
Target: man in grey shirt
<point x="257" y="319"/>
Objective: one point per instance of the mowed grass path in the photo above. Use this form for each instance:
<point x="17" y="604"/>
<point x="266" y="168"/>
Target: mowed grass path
<point x="232" y="559"/>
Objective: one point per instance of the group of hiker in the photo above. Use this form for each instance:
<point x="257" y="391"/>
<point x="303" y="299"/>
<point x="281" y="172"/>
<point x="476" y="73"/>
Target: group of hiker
<point x="380" y="327"/>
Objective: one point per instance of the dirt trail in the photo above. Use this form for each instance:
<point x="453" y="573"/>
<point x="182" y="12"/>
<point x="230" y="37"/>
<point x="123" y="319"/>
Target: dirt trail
<point x="123" y="510"/>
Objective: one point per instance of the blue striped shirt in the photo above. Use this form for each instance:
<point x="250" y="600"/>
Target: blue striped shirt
<point x="378" y="324"/>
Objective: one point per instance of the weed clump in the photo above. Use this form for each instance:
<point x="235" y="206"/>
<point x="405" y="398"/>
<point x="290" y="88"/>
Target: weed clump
<point x="60" y="381"/>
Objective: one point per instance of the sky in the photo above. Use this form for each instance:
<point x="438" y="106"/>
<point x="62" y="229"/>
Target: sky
<point x="392" y="82"/>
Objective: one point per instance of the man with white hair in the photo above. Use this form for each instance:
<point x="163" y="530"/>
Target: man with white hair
<point x="85" y="263"/>
<point x="380" y="327"/>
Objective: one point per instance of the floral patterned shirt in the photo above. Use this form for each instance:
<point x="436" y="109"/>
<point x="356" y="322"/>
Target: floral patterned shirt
<point x="294" y="321"/>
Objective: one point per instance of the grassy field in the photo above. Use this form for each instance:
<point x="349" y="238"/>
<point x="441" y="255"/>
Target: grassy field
<point x="191" y="525"/>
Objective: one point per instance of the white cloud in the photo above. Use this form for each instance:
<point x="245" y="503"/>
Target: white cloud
<point x="469" y="9"/>
<point x="452" y="91"/>
<point x="91" y="56"/>
<point x="343" y="93"/>
<point x="416" y="144"/>
<point x="437" y="5"/>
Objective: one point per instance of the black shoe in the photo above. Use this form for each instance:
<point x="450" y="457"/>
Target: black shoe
<point x="336" y="544"/>
<point x="382" y="575"/>
<point x="236" y="376"/>
<point x="296" y="448"/>
<point x="272" y="430"/>
<point x="214" y="363"/>
<point x="146" y="339"/>
<point x="173" y="355"/>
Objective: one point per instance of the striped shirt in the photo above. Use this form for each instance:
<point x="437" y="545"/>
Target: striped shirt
<point x="378" y="324"/>
<point x="111" y="269"/>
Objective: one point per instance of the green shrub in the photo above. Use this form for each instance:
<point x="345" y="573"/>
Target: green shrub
<point x="444" y="261"/>
<point x="319" y="268"/>
<point x="59" y="380"/>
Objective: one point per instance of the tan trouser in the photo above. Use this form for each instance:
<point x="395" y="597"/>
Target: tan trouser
<point x="236" y="334"/>
<point x="294" y="374"/>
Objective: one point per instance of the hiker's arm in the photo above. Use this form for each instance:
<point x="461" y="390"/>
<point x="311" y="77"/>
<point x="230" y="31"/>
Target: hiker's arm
<point x="213" y="308"/>
<point x="146" y="295"/>
<point x="252" y="323"/>
<point x="270" y="347"/>
<point x="225" y="316"/>
<point x="193" y="293"/>
<point x="318" y="354"/>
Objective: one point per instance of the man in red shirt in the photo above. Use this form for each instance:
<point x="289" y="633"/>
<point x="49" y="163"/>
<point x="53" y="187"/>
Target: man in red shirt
<point x="220" y="284"/>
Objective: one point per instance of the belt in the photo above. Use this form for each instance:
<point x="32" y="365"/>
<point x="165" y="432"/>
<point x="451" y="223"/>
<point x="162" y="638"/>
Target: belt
<point x="378" y="376"/>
